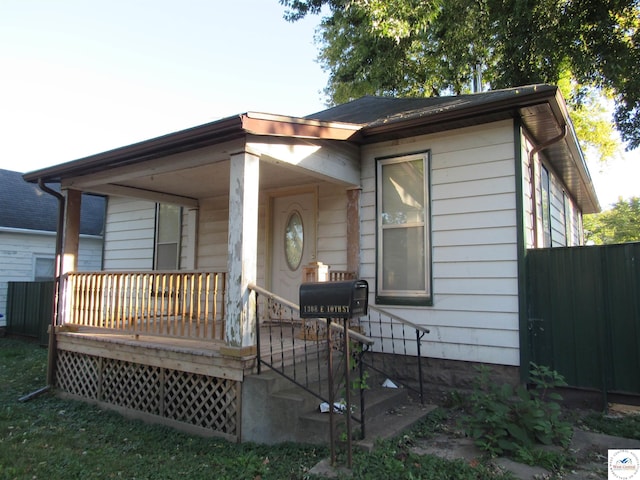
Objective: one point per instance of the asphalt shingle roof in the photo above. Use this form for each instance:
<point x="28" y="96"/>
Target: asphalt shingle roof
<point x="23" y="205"/>
<point x="372" y="111"/>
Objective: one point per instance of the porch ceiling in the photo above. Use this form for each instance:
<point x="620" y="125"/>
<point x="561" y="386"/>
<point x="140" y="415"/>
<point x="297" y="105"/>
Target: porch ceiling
<point x="187" y="185"/>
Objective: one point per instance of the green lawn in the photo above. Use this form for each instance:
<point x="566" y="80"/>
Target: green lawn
<point x="50" y="438"/>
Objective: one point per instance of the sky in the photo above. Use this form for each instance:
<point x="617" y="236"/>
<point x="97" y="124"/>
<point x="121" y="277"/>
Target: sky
<point x="80" y="77"/>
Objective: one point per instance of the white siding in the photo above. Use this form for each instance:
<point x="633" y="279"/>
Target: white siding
<point x="474" y="316"/>
<point x="213" y="226"/>
<point x="565" y="214"/>
<point x="129" y="234"/>
<point x="18" y="252"/>
<point x="331" y="230"/>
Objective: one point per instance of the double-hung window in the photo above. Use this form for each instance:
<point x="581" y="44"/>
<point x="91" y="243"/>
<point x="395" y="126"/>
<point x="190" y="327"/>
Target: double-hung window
<point x="168" y="233"/>
<point x="403" y="230"/>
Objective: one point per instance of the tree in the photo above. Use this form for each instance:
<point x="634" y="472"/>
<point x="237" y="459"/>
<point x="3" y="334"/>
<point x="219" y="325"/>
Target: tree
<point x="618" y="225"/>
<point x="427" y="47"/>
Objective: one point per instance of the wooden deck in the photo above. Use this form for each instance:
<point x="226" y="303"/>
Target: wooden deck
<point x="197" y="355"/>
<point x="189" y="384"/>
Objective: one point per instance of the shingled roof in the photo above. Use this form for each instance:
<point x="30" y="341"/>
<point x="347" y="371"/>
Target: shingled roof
<point x="24" y="206"/>
<point x="373" y="111"/>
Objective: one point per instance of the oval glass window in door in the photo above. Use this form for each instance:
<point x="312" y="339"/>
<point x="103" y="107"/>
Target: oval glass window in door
<point x="294" y="240"/>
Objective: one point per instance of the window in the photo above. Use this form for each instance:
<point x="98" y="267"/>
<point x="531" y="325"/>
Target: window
<point x="44" y="269"/>
<point x="294" y="241"/>
<point x="168" y="232"/>
<point x="403" y="231"/>
<point x="546" y="207"/>
<point x="568" y="221"/>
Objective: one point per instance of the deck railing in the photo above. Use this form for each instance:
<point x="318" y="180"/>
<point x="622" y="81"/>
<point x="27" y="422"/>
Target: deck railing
<point x="185" y="304"/>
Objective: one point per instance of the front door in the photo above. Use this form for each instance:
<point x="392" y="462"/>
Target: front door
<point x="293" y="241"/>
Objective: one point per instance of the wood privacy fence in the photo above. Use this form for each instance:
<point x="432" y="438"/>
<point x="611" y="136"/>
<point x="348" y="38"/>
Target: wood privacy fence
<point x="179" y="304"/>
<point x="584" y="314"/>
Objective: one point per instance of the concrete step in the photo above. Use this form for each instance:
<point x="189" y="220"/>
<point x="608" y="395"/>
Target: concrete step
<point x="387" y="413"/>
<point x="277" y="410"/>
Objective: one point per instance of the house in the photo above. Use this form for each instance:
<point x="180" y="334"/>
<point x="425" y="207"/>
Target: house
<point x="433" y="201"/>
<point x="28" y="224"/>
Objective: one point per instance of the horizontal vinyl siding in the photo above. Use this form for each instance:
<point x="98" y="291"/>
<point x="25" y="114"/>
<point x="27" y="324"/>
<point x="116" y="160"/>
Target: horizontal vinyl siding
<point x="474" y="316"/>
<point x="558" y="196"/>
<point x="332" y="226"/>
<point x="129" y="234"/>
<point x="18" y="252"/>
<point x="213" y="226"/>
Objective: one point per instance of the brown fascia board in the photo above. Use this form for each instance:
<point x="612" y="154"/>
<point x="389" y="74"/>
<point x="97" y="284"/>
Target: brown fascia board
<point x="507" y="107"/>
<point x="577" y="155"/>
<point x="197" y="137"/>
<point x="283" y="126"/>
<point x="230" y="128"/>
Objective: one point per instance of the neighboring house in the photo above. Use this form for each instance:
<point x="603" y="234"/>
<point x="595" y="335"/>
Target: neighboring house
<point x="28" y="223"/>
<point x="433" y="201"/>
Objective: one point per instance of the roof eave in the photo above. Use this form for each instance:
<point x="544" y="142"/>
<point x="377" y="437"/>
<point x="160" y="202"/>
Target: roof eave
<point x="230" y="128"/>
<point x="483" y="113"/>
<point x="189" y="139"/>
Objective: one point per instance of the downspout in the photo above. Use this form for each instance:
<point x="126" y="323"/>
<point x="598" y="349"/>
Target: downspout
<point x="526" y="349"/>
<point x="56" y="289"/>
<point x="537" y="149"/>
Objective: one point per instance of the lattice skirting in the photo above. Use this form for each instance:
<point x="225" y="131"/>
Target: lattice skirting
<point x="199" y="400"/>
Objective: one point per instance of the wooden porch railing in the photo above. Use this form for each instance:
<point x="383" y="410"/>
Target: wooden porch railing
<point x="183" y="304"/>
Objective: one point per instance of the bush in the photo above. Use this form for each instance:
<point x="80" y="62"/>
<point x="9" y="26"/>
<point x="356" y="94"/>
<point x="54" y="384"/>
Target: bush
<point x="506" y="419"/>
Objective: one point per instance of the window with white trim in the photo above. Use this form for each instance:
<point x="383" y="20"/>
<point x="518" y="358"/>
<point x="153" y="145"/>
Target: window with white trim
<point x="403" y="230"/>
<point x="168" y="233"/>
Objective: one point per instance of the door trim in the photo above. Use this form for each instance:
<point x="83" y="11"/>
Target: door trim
<point x="271" y="196"/>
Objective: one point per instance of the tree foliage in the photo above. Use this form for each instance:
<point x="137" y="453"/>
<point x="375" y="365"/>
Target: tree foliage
<point x="426" y="47"/>
<point x="620" y="224"/>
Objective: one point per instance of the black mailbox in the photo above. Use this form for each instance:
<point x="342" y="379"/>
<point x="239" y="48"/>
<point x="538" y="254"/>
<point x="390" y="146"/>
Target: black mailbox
<point x="334" y="299"/>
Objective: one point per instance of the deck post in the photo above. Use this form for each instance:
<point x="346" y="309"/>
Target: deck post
<point x="243" y="250"/>
<point x="71" y="237"/>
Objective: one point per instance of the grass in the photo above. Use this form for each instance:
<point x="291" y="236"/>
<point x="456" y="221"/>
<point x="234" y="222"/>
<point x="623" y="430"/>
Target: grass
<point x="51" y="438"/>
<point x="627" y="426"/>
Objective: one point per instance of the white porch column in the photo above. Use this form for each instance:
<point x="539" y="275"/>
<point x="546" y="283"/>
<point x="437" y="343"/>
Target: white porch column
<point x="243" y="251"/>
<point x="71" y="236"/>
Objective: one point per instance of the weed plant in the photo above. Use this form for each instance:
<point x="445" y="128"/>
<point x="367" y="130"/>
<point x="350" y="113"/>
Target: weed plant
<point x="508" y="420"/>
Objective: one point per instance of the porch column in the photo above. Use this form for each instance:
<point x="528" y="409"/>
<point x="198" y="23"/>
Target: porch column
<point x="71" y="236"/>
<point x="242" y="251"/>
<point x="353" y="230"/>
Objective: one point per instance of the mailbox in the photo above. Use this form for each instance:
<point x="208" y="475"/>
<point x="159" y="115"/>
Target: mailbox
<point x="334" y="299"/>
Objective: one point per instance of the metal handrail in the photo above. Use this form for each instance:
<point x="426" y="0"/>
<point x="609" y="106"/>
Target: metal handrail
<point x="352" y="333"/>
<point x="400" y="319"/>
<point x="307" y="354"/>
<point x="420" y="332"/>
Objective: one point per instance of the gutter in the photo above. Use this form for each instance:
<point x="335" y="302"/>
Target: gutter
<point x="56" y="291"/>
<point x="26" y="231"/>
